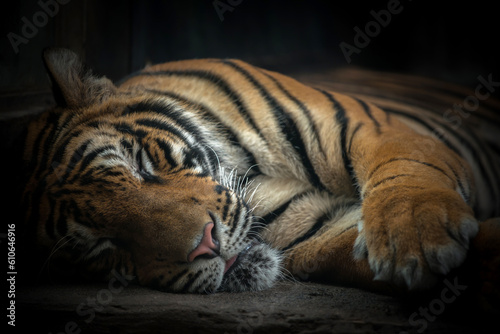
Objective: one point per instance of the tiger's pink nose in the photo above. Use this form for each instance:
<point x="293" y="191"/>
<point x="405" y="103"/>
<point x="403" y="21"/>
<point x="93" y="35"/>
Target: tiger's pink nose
<point x="208" y="247"/>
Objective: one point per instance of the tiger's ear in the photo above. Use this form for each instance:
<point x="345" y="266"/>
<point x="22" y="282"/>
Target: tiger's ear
<point x="74" y="85"/>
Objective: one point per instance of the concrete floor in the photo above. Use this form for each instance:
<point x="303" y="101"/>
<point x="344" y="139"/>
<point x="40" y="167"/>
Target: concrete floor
<point x="289" y="307"/>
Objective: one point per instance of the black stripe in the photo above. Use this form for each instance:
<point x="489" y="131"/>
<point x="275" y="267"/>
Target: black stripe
<point x="478" y="153"/>
<point x="314" y="130"/>
<point x="146" y="177"/>
<point x="210" y="116"/>
<point x="236" y="217"/>
<point x="408" y="159"/>
<point x="159" y="125"/>
<point x="425" y="125"/>
<point x="180" y="123"/>
<point x="286" y="124"/>
<point x="367" y="110"/>
<point x="153" y="159"/>
<point x="192" y="158"/>
<point x="191" y="281"/>
<point x="354" y="132"/>
<point x="96" y="124"/>
<point x="346" y="229"/>
<point x="85" y="178"/>
<point x="78" y="153"/>
<point x="92" y="155"/>
<point x="399" y="186"/>
<point x="432" y="104"/>
<point x="138" y="158"/>
<point x="388" y="179"/>
<point x="126" y="145"/>
<point x="66" y="118"/>
<point x="321" y="220"/>
<point x="226" y="209"/>
<point x="166" y="149"/>
<point x="217" y="81"/>
<point x="75" y="158"/>
<point x="460" y="185"/>
<point x="128" y="130"/>
<point x="59" y="153"/>
<point x="271" y="216"/>
<point x="149" y="106"/>
<point x="342" y="119"/>
<point x="312" y="231"/>
<point x="174" y="279"/>
<point x="466" y="145"/>
<point x="65" y="191"/>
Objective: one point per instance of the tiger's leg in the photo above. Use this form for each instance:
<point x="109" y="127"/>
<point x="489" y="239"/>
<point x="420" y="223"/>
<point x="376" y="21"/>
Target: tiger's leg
<point x="329" y="258"/>
<point x="318" y="234"/>
<point x="328" y="255"/>
<point x="417" y="199"/>
<point x="315" y="230"/>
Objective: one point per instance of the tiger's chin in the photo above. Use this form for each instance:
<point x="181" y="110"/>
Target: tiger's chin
<point x="256" y="268"/>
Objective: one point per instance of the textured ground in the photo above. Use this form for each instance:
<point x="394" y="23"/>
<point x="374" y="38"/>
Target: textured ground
<point x="119" y="307"/>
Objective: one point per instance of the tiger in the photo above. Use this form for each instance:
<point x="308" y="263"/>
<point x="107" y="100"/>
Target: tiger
<point x="213" y="175"/>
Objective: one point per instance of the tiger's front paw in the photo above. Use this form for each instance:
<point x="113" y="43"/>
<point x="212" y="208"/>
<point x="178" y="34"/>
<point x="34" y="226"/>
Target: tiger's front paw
<point x="413" y="237"/>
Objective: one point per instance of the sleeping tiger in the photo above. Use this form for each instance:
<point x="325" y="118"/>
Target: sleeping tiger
<point x="214" y="175"/>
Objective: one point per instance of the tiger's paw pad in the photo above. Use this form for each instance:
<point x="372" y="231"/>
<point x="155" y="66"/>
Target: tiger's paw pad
<point x="414" y="250"/>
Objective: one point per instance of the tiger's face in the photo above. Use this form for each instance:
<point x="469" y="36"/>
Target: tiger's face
<point x="113" y="192"/>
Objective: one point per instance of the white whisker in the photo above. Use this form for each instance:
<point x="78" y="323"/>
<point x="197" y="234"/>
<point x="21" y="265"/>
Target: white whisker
<point x="253" y="194"/>
<point x="54" y="250"/>
<point x="218" y="163"/>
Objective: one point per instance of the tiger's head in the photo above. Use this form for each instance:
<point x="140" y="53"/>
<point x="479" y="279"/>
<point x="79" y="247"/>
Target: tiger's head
<point x="113" y="187"/>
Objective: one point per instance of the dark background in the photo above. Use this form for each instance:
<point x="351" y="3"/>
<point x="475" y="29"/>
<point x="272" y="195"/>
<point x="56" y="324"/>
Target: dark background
<point x="453" y="41"/>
